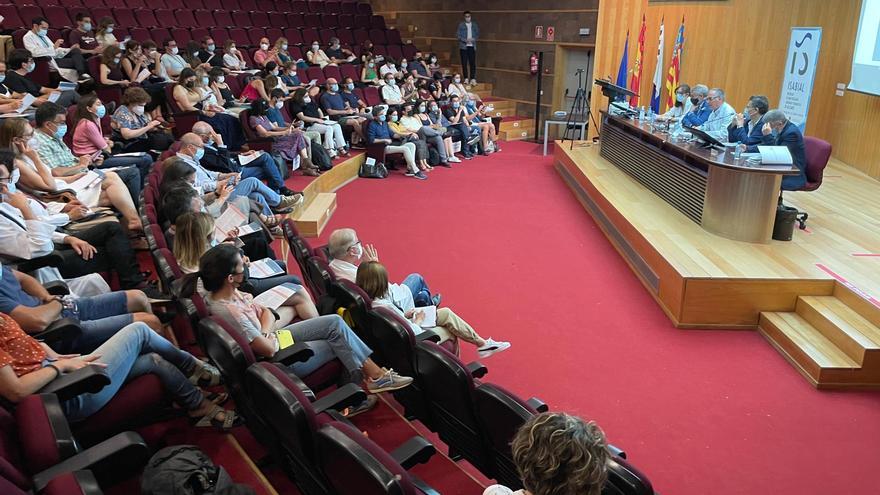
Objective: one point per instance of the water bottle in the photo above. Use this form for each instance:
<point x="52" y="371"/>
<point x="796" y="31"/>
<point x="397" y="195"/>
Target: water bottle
<point x="737" y="153"/>
<point x="641" y="113"/>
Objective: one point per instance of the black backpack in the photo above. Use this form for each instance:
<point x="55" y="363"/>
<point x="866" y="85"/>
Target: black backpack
<point x="320" y="157"/>
<point x="186" y="470"/>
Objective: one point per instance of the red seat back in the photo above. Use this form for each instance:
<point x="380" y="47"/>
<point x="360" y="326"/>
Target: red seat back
<point x="818" y="153"/>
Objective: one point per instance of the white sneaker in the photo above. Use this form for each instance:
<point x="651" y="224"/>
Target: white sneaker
<point x="492" y="347"/>
<point x="453" y="159"/>
<point x="473" y="82"/>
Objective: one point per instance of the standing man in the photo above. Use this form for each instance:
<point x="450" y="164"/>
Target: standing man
<point x="468" y="33"/>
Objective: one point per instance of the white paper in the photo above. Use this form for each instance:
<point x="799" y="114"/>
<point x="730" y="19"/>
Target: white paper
<point x="133" y="153"/>
<point x="775" y="155"/>
<point x="245" y="159"/>
<point x="430" y="320"/>
<point x="87" y="181"/>
<point x="66" y="86"/>
<point x="53" y="96"/>
<point x="278" y="295"/>
<point x="26" y="102"/>
<point x="230" y="219"/>
<point x="249" y="229"/>
<point x="370" y="161"/>
<point x="264" y="268"/>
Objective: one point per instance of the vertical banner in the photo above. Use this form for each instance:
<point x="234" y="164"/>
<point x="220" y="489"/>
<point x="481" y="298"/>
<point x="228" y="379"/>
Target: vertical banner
<point x="800" y="73"/>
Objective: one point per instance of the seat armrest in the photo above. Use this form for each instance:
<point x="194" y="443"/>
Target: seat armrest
<point x="345" y="396"/>
<point x="297" y="353"/>
<point x="64" y="329"/>
<point x="85" y="482"/>
<point x="422" y="486"/>
<point x="416" y="450"/>
<point x="538" y="405"/>
<point x="477" y="369"/>
<point x="616" y="451"/>
<point x="111" y="461"/>
<point x="57" y="288"/>
<point x="428" y="335"/>
<point x="86" y="380"/>
<point x="52" y="259"/>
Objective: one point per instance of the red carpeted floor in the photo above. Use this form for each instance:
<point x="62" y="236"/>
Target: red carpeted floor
<point x="700" y="411"/>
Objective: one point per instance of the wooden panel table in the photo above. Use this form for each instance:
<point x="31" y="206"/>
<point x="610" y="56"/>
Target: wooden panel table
<point x="723" y="195"/>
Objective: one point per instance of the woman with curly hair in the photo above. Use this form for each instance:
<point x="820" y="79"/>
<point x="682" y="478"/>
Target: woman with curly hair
<point x="558" y="454"/>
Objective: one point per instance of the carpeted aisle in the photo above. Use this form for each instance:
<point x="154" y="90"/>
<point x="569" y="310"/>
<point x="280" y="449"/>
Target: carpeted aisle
<point x="702" y="412"/>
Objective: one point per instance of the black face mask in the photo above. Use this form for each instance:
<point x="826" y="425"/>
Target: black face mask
<point x="695" y="101"/>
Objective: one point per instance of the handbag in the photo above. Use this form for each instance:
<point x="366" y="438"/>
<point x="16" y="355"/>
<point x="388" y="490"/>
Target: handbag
<point x="372" y="169"/>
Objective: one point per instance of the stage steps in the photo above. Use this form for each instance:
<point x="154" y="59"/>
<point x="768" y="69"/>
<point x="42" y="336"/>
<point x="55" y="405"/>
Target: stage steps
<point x="833" y="341"/>
<point x="517" y="127"/>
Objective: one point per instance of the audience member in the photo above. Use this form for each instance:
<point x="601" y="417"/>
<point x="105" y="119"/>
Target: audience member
<point x="408" y="136"/>
<point x="456" y="87"/>
<point x="110" y="70"/>
<point x="154" y="63"/>
<point x="408" y="89"/>
<point x="303" y="108"/>
<point x="378" y="132"/>
<point x="372" y="277"/>
<point x="316" y="56"/>
<point x="266" y="54"/>
<point x="389" y="68"/>
<point x="391" y="93"/>
<point x="478" y="119"/>
<point x="557" y="454"/>
<point x="9" y="101"/>
<point x="420" y="67"/>
<point x="431" y="130"/>
<point x="83" y="37"/>
<point x="288" y="142"/>
<point x="138" y="68"/>
<point x="281" y="51"/>
<point x="232" y="58"/>
<point x="260" y="87"/>
<point x="104" y="35"/>
<point x="347" y="252"/>
<point x="190" y="96"/>
<point x="289" y="76"/>
<point x="369" y="75"/>
<point x="171" y="60"/>
<point x="338" y="54"/>
<point x="468" y="34"/>
<point x="19" y="64"/>
<point x="133" y="131"/>
<point x="222" y="91"/>
<point x="37" y="42"/>
<point x="412" y="119"/>
<point x="340" y="109"/>
<point x="457" y="116"/>
<point x="209" y="54"/>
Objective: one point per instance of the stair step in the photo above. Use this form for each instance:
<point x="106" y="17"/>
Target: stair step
<point x="841" y="324"/>
<point x="815" y="356"/>
<point x="312" y="219"/>
<point x="517" y="135"/>
<point x="517" y="123"/>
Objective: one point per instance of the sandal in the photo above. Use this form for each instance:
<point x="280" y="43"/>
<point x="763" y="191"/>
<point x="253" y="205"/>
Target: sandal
<point x="276" y="231"/>
<point x="205" y="375"/>
<point x="217" y="398"/>
<point x="231" y="420"/>
<point x="271" y="221"/>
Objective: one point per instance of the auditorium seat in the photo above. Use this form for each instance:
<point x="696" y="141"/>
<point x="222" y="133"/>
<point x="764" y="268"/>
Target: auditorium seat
<point x="334" y="72"/>
<point x="266" y="5"/>
<point x="324" y="35"/>
<point x="57" y="16"/>
<point x="349" y="7"/>
<point x="212" y="4"/>
<point x="293" y="35"/>
<point x="409" y="51"/>
<point x="125" y="19"/>
<point x="298" y="6"/>
<point x="199" y="33"/>
<point x="261" y="20"/>
<point x="449" y="388"/>
<point x="377" y="36"/>
<point x="395" y="52"/>
<point x="352" y="71"/>
<point x="277" y="20"/>
<point x="240" y="37"/>
<point x="364" y="9"/>
<point x="70" y="3"/>
<point x="817" y="152"/>
<point x="241" y="19"/>
<point x="254" y="35"/>
<point x="309" y="35"/>
<point x="184" y="17"/>
<point x="254" y="141"/>
<point x="229" y="5"/>
<point x="371" y="96"/>
<point x="329" y="20"/>
<point x="183" y="121"/>
<point x="362" y="21"/>
<point x="393" y="37"/>
<point x="99" y="13"/>
<point x="28" y="12"/>
<point x="220" y="35"/>
<point x="345" y="36"/>
<point x="346" y="21"/>
<point x="223" y="19"/>
<point x="315" y="72"/>
<point x="181" y="36"/>
<point x="318" y="277"/>
<point x="368" y="468"/>
<point x="11" y="19"/>
<point x="625" y="479"/>
<point x="295" y="20"/>
<point x="332" y="7"/>
<point x="247" y="5"/>
<point x="165" y="18"/>
<point x="147" y="18"/>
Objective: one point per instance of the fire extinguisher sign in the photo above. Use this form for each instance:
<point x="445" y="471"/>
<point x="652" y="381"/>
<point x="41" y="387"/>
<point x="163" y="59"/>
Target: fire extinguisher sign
<point x="551" y="33"/>
<point x="539" y="32"/>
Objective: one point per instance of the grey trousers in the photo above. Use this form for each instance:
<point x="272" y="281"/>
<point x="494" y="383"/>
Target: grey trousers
<point x="431" y="136"/>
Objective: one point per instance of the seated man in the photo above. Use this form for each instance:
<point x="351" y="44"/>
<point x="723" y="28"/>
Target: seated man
<point x="337" y="54"/>
<point x="209" y="54"/>
<point x="83" y="37"/>
<point x="378" y="132"/>
<point x="746" y="127"/>
<point x="336" y="106"/>
<point x="38" y="43"/>
<point x="700" y="110"/>
<point x="779" y="131"/>
<point x="349" y="96"/>
<point x="192" y="150"/>
<point x="218" y="158"/>
<point x="27" y="302"/>
<point x="721" y="115"/>
<point x="419" y="67"/>
<point x="348" y="252"/>
<point x="391" y="93"/>
<point x="18" y="67"/>
<point x="27" y="231"/>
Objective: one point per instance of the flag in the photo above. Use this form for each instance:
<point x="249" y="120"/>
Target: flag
<point x="674" y="67"/>
<point x="636" y="79"/>
<point x="658" y="75"/>
<point x="624" y="64"/>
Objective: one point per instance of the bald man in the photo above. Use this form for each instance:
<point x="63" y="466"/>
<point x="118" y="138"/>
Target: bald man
<point x="218" y="158"/>
<point x="192" y="150"/>
<point x="336" y="106"/>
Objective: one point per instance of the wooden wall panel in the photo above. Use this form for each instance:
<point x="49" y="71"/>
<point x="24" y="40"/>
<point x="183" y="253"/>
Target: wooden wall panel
<point x="740" y="46"/>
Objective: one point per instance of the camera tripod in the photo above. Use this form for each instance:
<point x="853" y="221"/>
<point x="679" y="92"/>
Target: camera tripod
<point x="580" y="106"/>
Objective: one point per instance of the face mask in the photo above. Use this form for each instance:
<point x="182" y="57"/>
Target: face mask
<point x="174" y="50"/>
<point x="199" y="154"/>
<point x="403" y="65"/>
<point x="213" y="242"/>
<point x="433" y="60"/>
<point x="334" y="87"/>
<point x="43" y="32"/>
<point x="138" y="110"/>
<point x="87" y="26"/>
<point x="60" y="132"/>
<point x="307" y="99"/>
<point x="275" y="72"/>
<point x="394" y="118"/>
<point x="680" y="98"/>
<point x="456" y="104"/>
<point x="211" y="47"/>
<point x="196" y="53"/>
<point x="350" y="86"/>
<point x="279" y="105"/>
<point x="284" y="47"/>
<point x="210" y="142"/>
<point x="117" y="60"/>
<point x="391" y="82"/>
<point x="109" y="29"/>
<point x="232" y="49"/>
<point x="190" y="83"/>
<point x="382" y="117"/>
<point x="32" y="143"/>
<point x="264" y="46"/>
<point x="101" y="111"/>
<point x="221" y="79"/>
<point x="204" y="81"/>
<point x="150" y="53"/>
<point x="457" y="80"/>
<point x="11" y="187"/>
<point x="2" y="78"/>
<point x="31" y="66"/>
<point x="335" y="46"/>
<point x="434" y="109"/>
<point x="358" y="251"/>
<point x="315" y="48"/>
<point x="371" y="65"/>
<point x="695" y="101"/>
<point x="422" y="109"/>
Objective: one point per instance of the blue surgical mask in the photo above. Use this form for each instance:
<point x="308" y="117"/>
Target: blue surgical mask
<point x="87" y="26"/>
<point x="200" y="153"/>
<point x="391" y="82"/>
<point x="680" y="97"/>
<point x="350" y="86"/>
<point x="284" y="46"/>
<point x="11" y="187"/>
<point x="421" y="108"/>
<point x="109" y="29"/>
<point x="31" y="66"/>
<point x="204" y="81"/>
<point x="382" y="117"/>
<point x="210" y="142"/>
<point x="101" y="112"/>
<point x="434" y="108"/>
<point x="456" y="104"/>
<point x="334" y="87"/>
<point x="61" y="131"/>
<point x="2" y="78"/>
<point x="211" y="47"/>
<point x="43" y="32"/>
<point x="394" y="118"/>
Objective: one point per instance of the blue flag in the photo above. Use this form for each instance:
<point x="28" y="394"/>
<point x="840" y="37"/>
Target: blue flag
<point x="624" y="64"/>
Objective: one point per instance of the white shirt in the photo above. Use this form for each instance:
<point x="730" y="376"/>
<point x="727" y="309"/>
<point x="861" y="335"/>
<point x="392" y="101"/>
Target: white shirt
<point x="678" y="112"/>
<point x="400" y="295"/>
<point x="41" y="46"/>
<point x="25" y="239"/>
<point x="470" y="34"/>
<point x="205" y="179"/>
<point x="387" y="69"/>
<point x="173" y="64"/>
<point x="391" y="94"/>
<point x="718" y="121"/>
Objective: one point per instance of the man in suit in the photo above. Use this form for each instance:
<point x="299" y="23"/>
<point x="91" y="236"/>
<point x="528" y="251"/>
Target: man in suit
<point x="219" y="159"/>
<point x="700" y="110"/>
<point x="779" y="131"/>
<point x="746" y="127"/>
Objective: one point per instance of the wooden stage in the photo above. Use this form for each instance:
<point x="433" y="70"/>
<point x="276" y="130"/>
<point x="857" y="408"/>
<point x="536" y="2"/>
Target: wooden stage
<point x="815" y="298"/>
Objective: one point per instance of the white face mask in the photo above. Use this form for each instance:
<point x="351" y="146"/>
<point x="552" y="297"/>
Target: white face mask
<point x="174" y="50"/>
<point x="358" y="250"/>
<point x="221" y="79"/>
<point x="279" y="105"/>
<point x="138" y="110"/>
<point x="307" y="99"/>
<point x="32" y="143"/>
<point x="264" y="46"/>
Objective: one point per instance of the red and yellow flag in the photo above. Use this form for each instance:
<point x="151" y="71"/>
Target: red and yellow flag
<point x="637" y="67"/>
<point x="674" y="67"/>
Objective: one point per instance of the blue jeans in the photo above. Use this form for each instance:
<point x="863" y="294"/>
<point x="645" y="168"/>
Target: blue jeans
<point x="264" y="167"/>
<point x="344" y="344"/>
<point x="258" y="192"/>
<point x="418" y="287"/>
<point x="143" y="163"/>
<point x="134" y="351"/>
<point x="101" y="317"/>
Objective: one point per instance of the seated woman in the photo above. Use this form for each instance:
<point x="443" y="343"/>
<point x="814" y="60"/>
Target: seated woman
<point x="431" y="129"/>
<point x="222" y="91"/>
<point x="281" y="51"/>
<point x="110" y="69"/>
<point x="433" y="65"/>
<point x="266" y="54"/>
<point x="194" y="236"/>
<point x="221" y="271"/>
<point x="411" y="121"/>
<point x="132" y="130"/>
<point x="476" y="114"/>
<point x="369" y="75"/>
<point x="366" y="51"/>
<point x="682" y="103"/>
<point x="189" y="96"/>
<point x="287" y="142"/>
<point x="138" y="68"/>
<point x="316" y="56"/>
<point x="88" y="140"/>
<point x="435" y="87"/>
<point x="306" y="110"/>
<point x="556" y="453"/>
<point x="408" y="89"/>
<point x="104" y="35"/>
<point x="232" y="58"/>
<point x="191" y="56"/>
<point x="378" y="132"/>
<point x="260" y="87"/>
<point x="17" y="135"/>
<point x="27" y="365"/>
<point x="456" y="87"/>
<point x="153" y="61"/>
<point x="372" y="277"/>
<point x="409" y="136"/>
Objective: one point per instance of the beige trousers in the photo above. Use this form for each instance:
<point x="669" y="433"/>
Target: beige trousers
<point x="451" y="325"/>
